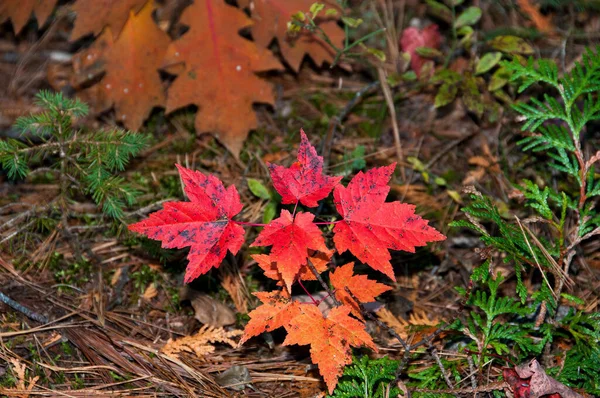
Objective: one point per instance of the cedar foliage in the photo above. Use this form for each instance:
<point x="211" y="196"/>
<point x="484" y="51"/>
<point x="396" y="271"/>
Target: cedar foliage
<point x="533" y="325"/>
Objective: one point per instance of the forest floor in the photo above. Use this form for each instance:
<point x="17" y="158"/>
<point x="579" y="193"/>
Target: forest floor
<point x="90" y="311"/>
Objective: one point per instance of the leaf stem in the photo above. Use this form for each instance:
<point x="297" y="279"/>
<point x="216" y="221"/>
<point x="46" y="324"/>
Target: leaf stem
<point x="249" y="224"/>
<point x="327" y="222"/>
<point x="307" y="292"/>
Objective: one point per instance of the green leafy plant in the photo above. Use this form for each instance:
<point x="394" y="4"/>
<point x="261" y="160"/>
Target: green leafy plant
<point x="82" y="161"/>
<point x="481" y="85"/>
<point x="308" y="20"/>
<point x="368" y="378"/>
<point x="500" y="325"/>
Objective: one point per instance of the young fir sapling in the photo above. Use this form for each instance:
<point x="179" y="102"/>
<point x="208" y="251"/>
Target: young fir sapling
<point x="368" y="228"/>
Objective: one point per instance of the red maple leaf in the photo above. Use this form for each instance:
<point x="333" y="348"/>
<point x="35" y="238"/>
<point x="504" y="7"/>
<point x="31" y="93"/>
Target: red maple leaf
<point x="370" y="226"/>
<point x="330" y="338"/>
<point x="413" y="38"/>
<point x="363" y="288"/>
<point x="276" y="311"/>
<point x="304" y="180"/>
<point x="291" y="238"/>
<point x="204" y="223"/>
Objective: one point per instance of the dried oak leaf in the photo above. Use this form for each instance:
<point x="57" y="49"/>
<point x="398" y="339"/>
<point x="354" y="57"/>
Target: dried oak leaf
<point x="413" y="38"/>
<point x="19" y="12"/>
<point x="132" y="82"/>
<point x="363" y="288"/>
<point x="204" y="223"/>
<point x="304" y="180"/>
<point x="370" y="226"/>
<point x="330" y="338"/>
<point x="291" y="238"/>
<point x="219" y="73"/>
<point x="94" y="15"/>
<point x="271" y="18"/>
<point x="276" y="311"/>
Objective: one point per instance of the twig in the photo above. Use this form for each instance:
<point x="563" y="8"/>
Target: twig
<point x="472" y="371"/>
<point x="440" y="365"/>
<point x="336" y="121"/>
<point x="389" y="99"/>
<point x="22" y="309"/>
<point x="372" y="317"/>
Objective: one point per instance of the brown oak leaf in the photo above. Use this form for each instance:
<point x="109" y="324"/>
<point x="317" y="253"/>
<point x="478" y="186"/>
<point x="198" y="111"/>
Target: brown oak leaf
<point x="132" y="81"/>
<point x="271" y="18"/>
<point x="94" y="15"/>
<point x="220" y="72"/>
<point x="19" y="11"/>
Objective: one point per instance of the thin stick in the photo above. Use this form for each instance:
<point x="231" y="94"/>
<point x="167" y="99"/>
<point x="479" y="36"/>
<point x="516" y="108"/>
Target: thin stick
<point x="372" y="317"/>
<point x="389" y="99"/>
<point x="22" y="309"/>
<point x="435" y="356"/>
<point x="337" y="121"/>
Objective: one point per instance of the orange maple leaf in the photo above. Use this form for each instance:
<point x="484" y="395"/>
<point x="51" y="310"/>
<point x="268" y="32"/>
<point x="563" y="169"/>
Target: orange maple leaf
<point x="276" y="311"/>
<point x="19" y="11"/>
<point x="291" y="238"/>
<point x="271" y="269"/>
<point x="94" y="15"/>
<point x="271" y="18"/>
<point x="219" y="74"/>
<point x="330" y="339"/>
<point x="363" y="288"/>
<point x="132" y="81"/>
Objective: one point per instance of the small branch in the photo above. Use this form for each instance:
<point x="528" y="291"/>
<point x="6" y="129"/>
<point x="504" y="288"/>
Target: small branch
<point x="389" y="99"/>
<point x="22" y="309"/>
<point x="148" y="209"/>
<point x="336" y="121"/>
<point x="435" y="356"/>
<point x="372" y="317"/>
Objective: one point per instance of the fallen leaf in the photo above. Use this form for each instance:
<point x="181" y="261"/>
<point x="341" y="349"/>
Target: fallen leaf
<point x="204" y="224"/>
<point x="94" y="15"/>
<point x="370" y="226"/>
<point x="303" y="181"/>
<point x="363" y="288"/>
<point x="201" y="343"/>
<point x="276" y="311"/>
<point x="19" y="12"/>
<point x="330" y="339"/>
<point x="236" y="377"/>
<point x="539" y="383"/>
<point x="150" y="292"/>
<point x="541" y="22"/>
<point x="270" y="21"/>
<point x="413" y="38"/>
<point x="291" y="238"/>
<point x="219" y="74"/>
<point x="132" y="82"/>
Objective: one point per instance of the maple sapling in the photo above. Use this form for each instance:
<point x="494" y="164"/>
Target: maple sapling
<point x="369" y="228"/>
